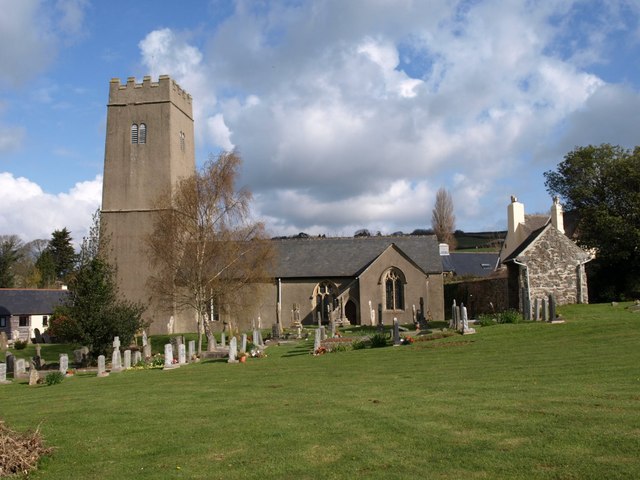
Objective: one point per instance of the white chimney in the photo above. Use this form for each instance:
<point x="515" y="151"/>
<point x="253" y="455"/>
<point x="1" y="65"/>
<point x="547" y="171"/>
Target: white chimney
<point x="557" y="218"/>
<point x="515" y="215"/>
<point x="444" y="249"/>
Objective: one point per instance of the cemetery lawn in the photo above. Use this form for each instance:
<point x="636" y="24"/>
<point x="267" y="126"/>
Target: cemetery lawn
<point x="515" y="401"/>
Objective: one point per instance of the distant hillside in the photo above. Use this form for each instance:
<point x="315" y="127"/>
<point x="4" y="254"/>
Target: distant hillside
<point x="479" y="240"/>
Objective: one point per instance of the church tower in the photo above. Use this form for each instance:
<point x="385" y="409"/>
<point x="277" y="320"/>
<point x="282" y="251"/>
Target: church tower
<point x="148" y="147"/>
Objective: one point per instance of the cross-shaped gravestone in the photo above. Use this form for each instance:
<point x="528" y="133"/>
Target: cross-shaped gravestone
<point x="116" y="342"/>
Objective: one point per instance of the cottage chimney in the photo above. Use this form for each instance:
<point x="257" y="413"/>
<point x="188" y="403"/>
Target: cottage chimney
<point x="515" y="215"/>
<point x="557" y="218"/>
<point x="444" y="249"/>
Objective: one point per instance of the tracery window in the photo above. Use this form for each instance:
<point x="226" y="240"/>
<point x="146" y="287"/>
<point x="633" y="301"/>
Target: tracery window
<point x="394" y="290"/>
<point x="324" y="296"/>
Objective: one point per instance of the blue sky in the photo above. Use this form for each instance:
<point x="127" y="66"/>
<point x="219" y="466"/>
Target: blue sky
<point x="348" y="114"/>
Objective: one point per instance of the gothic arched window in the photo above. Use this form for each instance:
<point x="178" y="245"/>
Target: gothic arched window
<point x="324" y="297"/>
<point x="142" y="134"/>
<point x="393" y="281"/>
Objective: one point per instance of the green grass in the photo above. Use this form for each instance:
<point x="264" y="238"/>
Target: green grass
<point x="527" y="400"/>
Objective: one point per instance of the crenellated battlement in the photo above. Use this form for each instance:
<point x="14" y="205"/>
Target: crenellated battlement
<point x="164" y="90"/>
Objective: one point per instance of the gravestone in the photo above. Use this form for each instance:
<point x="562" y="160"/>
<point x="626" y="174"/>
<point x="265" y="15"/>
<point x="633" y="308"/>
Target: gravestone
<point x="299" y="332"/>
<point x="147" y="350"/>
<point x="20" y="368"/>
<point x="243" y="344"/>
<point x="145" y="339"/>
<point x="64" y="363"/>
<point x="323" y="333"/>
<point x="465" y="322"/>
<point x="380" y="322"/>
<point x="37" y="335"/>
<point x="34" y="376"/>
<point x="192" y="351"/>
<point x="175" y="342"/>
<point x="46" y="338"/>
<point x="85" y="355"/>
<point x="275" y="332"/>
<point x="256" y="337"/>
<point x="396" y="332"/>
<point x="9" y="361"/>
<point x="4" y="344"/>
<point x="233" y="350"/>
<point x="137" y="357"/>
<point x="372" y="314"/>
<point x="333" y="328"/>
<point x="211" y="343"/>
<point x="552" y="308"/>
<point x="168" y="357"/>
<point x="116" y="359"/>
<point x="453" y="322"/>
<point x="536" y="309"/>
<point x="77" y="356"/>
<point x="182" y="354"/>
<point x="317" y="341"/>
<point x="544" y="310"/>
<point x="127" y="359"/>
<point x="3" y="374"/>
<point x="102" y="367"/>
<point x="223" y="340"/>
<point x="319" y="319"/>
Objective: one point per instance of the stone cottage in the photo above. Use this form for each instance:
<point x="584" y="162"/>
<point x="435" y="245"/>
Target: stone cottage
<point x="541" y="260"/>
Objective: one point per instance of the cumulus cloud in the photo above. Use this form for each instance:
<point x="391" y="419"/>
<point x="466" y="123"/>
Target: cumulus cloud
<point x="26" y="210"/>
<point x="354" y="113"/>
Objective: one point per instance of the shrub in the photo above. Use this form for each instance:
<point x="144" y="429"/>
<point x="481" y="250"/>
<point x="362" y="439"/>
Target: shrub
<point x="339" y="347"/>
<point x="20" y="344"/>
<point x="378" y="340"/>
<point x="509" y="316"/>
<point x="485" y="320"/>
<point x="54" y="378"/>
<point x="359" y="345"/>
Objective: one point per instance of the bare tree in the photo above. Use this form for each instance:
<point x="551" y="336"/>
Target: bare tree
<point x="443" y="220"/>
<point x="206" y="249"/>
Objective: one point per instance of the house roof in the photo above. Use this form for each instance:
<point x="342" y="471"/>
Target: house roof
<point x="477" y="264"/>
<point x="535" y="235"/>
<point x="348" y="257"/>
<point x="17" y="301"/>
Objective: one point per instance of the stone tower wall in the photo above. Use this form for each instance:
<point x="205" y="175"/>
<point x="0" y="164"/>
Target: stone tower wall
<point x="135" y="175"/>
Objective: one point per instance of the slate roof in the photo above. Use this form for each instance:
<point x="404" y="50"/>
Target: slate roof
<point x="348" y="257"/>
<point x="527" y="241"/>
<point x="16" y="301"/>
<point x="477" y="264"/>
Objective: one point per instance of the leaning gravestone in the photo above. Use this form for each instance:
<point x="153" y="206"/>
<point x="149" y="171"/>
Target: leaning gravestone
<point x="182" y="354"/>
<point x="34" y="376"/>
<point x="127" y="359"/>
<point x="64" y="363"/>
<point x="168" y="358"/>
<point x="233" y="350"/>
<point x="102" y="367"/>
<point x="3" y="374"/>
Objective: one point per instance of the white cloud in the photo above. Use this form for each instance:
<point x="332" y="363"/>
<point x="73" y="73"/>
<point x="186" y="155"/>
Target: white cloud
<point x="334" y="131"/>
<point x="26" y="210"/>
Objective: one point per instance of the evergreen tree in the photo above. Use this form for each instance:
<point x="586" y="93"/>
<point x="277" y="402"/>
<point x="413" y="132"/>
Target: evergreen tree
<point x="10" y="254"/>
<point x="62" y="252"/>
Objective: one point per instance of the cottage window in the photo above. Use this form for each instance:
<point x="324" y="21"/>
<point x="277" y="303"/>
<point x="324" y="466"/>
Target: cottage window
<point x="142" y="134"/>
<point x="23" y="321"/>
<point x="3" y="322"/>
<point x="394" y="290"/>
<point x="134" y="133"/>
<point x="45" y="321"/>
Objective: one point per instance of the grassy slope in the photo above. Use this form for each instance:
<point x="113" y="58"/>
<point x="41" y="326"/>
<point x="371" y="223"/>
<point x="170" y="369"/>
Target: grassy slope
<point x="513" y="401"/>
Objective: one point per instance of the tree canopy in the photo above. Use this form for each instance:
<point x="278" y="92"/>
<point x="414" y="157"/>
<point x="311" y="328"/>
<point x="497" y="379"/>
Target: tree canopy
<point x="602" y="185"/>
<point x="443" y="220"/>
<point x="10" y="254"/>
<point x="204" y="245"/>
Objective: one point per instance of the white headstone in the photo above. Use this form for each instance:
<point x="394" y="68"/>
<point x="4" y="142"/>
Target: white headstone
<point x="64" y="363"/>
<point x="147" y="350"/>
<point x="223" y="340"/>
<point x="19" y="368"/>
<point x="127" y="359"/>
<point x="116" y="342"/>
<point x="192" y="350"/>
<point x="102" y="367"/>
<point x="168" y="357"/>
<point x="182" y="354"/>
<point x="3" y="374"/>
<point x="317" y="341"/>
<point x="243" y="345"/>
<point x="465" y="322"/>
<point x="233" y="350"/>
<point x="137" y="357"/>
<point x="256" y="336"/>
<point x="116" y="360"/>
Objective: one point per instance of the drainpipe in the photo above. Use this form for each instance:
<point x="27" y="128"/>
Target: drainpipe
<point x="526" y="269"/>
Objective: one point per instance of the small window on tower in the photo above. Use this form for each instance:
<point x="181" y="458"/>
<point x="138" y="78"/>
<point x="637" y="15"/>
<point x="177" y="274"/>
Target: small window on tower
<point x="182" y="141"/>
<point x="134" y="133"/>
<point x="143" y="133"/>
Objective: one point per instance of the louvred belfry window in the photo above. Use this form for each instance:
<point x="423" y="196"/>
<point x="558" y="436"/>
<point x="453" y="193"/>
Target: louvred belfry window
<point x="142" y="136"/>
<point x="134" y="133"/>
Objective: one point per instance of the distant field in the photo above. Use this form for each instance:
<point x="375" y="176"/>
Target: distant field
<point x="480" y="241"/>
<point x="516" y="401"/>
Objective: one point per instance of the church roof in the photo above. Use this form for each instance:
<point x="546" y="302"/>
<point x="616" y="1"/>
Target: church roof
<point x="348" y="257"/>
<point x="476" y="264"/>
<point x="18" y="301"/>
